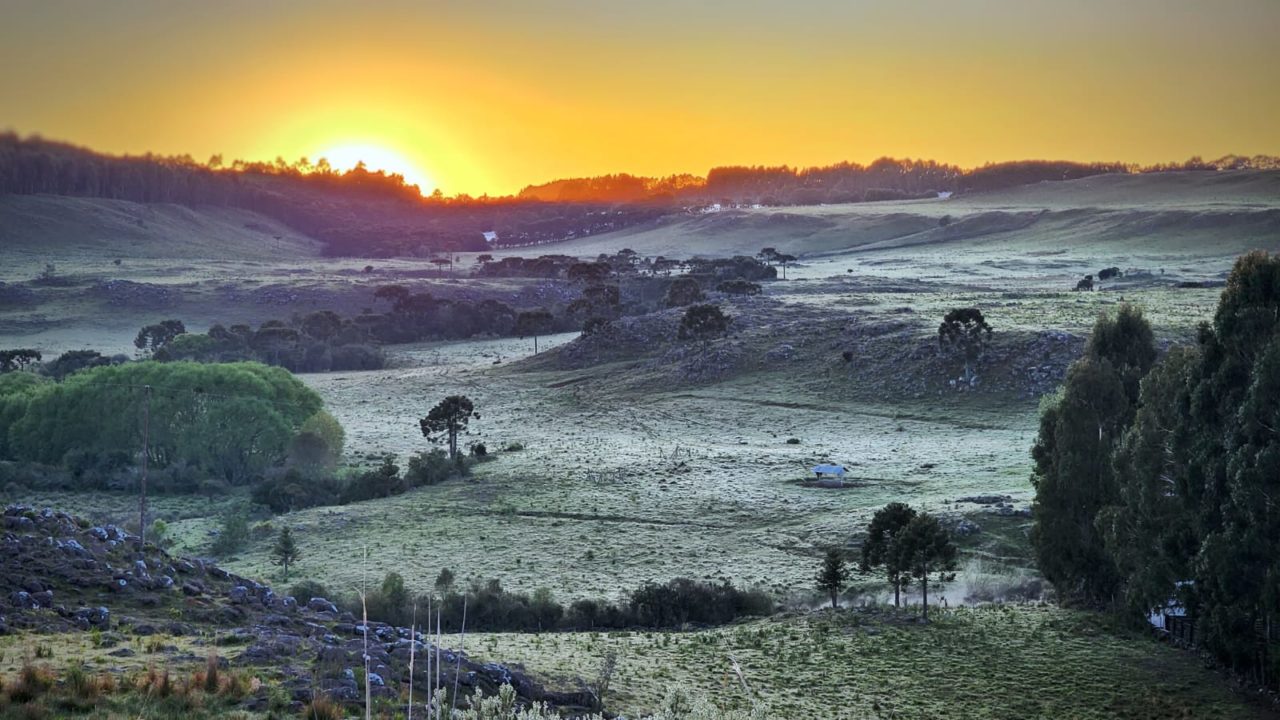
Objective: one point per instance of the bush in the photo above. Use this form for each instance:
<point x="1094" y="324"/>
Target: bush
<point x="233" y="534"/>
<point x="294" y="489"/>
<point x="380" y="482"/>
<point x="305" y="590"/>
<point x="739" y="286"/>
<point x="432" y="467"/>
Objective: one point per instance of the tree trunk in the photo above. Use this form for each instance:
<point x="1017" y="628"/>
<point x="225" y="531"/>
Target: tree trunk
<point x="897" y="593"/>
<point x="535" y="344"/>
<point x="833" y="600"/>
<point x="924" y="595"/>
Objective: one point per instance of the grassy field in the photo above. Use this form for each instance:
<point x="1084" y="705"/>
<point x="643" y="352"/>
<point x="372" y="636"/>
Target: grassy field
<point x="636" y="468"/>
<point x="1006" y="662"/>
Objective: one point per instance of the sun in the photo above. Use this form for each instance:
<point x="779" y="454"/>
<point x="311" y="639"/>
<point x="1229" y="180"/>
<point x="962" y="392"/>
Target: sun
<point x="378" y="157"/>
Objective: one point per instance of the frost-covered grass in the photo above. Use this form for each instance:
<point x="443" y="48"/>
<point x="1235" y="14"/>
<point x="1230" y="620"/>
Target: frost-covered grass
<point x="988" y="662"/>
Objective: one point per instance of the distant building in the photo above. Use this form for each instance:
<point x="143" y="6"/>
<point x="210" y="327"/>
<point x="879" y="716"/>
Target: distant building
<point x="944" y="195"/>
<point x="490" y="236"/>
<point x="832" y="470"/>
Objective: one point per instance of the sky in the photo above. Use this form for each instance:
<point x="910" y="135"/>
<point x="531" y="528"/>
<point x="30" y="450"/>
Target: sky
<point x="486" y="96"/>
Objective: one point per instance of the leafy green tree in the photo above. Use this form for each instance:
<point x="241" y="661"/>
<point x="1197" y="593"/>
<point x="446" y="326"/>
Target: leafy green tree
<point x="878" y="548"/>
<point x="448" y="418"/>
<point x="444" y="581"/>
<point x="1074" y="476"/>
<point x="285" y="552"/>
<point x="702" y="322"/>
<point x="74" y="361"/>
<point x="924" y="547"/>
<point x="1151" y="532"/>
<point x="833" y="576"/>
<point x="964" y="334"/>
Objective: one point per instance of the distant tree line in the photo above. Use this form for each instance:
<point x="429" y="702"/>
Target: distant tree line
<point x="883" y="179"/>
<point x="1156" y="479"/>
<point x="356" y="213"/>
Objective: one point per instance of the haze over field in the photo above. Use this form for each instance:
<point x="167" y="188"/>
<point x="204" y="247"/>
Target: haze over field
<point x="739" y="361"/>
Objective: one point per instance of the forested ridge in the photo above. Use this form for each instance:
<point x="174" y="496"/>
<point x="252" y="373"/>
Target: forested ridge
<point x="375" y="214"/>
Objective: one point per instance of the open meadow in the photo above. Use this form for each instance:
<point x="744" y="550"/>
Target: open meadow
<point x="615" y="462"/>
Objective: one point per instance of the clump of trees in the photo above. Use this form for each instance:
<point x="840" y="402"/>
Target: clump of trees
<point x="229" y="421"/>
<point x="907" y="546"/>
<point x="318" y="342"/>
<point x="1155" y="479"/>
<point x="677" y="603"/>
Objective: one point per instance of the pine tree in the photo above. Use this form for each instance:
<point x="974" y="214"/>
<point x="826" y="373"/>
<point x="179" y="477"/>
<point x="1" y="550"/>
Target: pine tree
<point x="285" y="552"/>
<point x="834" y="575"/>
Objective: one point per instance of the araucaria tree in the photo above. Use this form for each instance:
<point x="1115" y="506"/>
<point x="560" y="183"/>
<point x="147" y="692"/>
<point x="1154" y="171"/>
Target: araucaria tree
<point x="964" y="334"/>
<point x="1074" y="476"/>
<point x="834" y="575"/>
<point x="924" y="547"/>
<point x="154" y="337"/>
<point x="878" y="551"/>
<point x="447" y="419"/>
<point x="285" y="552"/>
<point x="533" y="322"/>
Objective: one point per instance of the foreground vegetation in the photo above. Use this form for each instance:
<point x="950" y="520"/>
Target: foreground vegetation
<point x="1003" y="661"/>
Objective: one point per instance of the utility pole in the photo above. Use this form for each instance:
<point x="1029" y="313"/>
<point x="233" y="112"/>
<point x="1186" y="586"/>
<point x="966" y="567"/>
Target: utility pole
<point x="146" y="451"/>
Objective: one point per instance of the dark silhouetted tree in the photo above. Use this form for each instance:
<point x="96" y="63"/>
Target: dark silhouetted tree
<point x="925" y="547"/>
<point x="684" y="291"/>
<point x="702" y="322"/>
<point x="533" y="323"/>
<point x="447" y="419"/>
<point x="878" y="548"/>
<point x="964" y="334"/>
<point x="833" y="576"/>
<point x="154" y="337"/>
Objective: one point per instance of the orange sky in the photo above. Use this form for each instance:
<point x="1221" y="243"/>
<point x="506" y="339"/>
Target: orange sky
<point x="489" y="96"/>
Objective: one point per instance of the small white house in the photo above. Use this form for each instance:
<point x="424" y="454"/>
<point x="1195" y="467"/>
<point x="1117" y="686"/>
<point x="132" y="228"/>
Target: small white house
<point x="829" y="470"/>
<point x="944" y="195"/>
<point x="490" y="236"/>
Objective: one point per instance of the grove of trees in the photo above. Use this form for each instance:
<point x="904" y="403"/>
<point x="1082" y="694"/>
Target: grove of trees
<point x="1156" y="480"/>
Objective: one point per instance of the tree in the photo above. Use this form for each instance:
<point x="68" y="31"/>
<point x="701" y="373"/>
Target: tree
<point x="533" y="322"/>
<point x="702" y="322"/>
<point x="964" y="333"/>
<point x="20" y="359"/>
<point x="154" y="337"/>
<point x="444" y="581"/>
<point x="784" y="259"/>
<point x="285" y="552"/>
<point x="484" y="259"/>
<point x="74" y="361"/>
<point x="683" y="291"/>
<point x="1074" y="476"/>
<point x="878" y="548"/>
<point x="924" y="547"/>
<point x="448" y="418"/>
<point x="739" y="286"/>
<point x="1085" y="284"/>
<point x="833" y="576"/>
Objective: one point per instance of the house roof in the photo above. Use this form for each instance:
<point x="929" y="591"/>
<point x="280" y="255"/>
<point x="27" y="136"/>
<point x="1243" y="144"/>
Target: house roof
<point x="826" y="469"/>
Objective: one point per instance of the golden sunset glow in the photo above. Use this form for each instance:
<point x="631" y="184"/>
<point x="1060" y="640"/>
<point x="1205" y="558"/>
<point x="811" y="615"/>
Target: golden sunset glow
<point x="488" y="97"/>
<point x="376" y="157"/>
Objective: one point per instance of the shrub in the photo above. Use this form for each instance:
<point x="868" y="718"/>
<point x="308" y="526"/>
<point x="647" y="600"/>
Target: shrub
<point x="739" y="286"/>
<point x="432" y="467"/>
<point x="233" y="533"/>
<point x="382" y="481"/>
<point x="304" y="590"/>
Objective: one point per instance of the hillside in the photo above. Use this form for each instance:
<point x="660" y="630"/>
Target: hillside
<point x="1218" y="215"/>
<point x="49" y="228"/>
